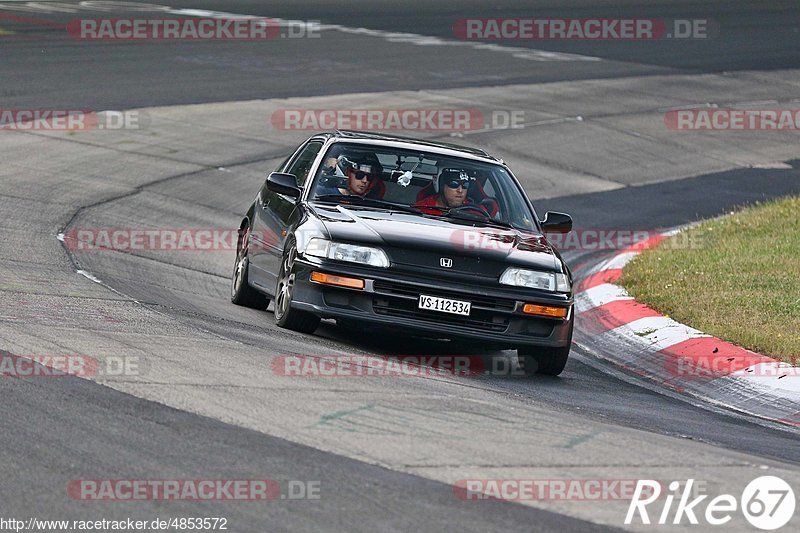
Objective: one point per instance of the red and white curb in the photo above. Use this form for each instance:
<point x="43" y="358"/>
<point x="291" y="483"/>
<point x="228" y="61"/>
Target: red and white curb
<point x="677" y="356"/>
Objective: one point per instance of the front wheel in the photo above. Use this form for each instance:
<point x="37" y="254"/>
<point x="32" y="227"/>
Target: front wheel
<point x="538" y="360"/>
<point x="285" y="316"/>
<point x="543" y="359"/>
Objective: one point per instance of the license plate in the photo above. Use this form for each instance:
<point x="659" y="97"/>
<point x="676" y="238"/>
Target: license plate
<point x="444" y="305"/>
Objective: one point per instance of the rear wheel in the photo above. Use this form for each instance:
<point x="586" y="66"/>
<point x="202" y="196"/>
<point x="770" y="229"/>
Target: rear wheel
<point x="241" y="291"/>
<point x="543" y="359"/>
<point x="285" y="316"/>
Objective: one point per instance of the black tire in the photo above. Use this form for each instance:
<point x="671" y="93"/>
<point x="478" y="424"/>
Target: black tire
<point x="241" y="291"/>
<point x="285" y="316"/>
<point x="543" y="359"/>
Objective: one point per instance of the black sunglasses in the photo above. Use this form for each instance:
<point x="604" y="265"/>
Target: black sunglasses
<point x="360" y="175"/>
<point x="454" y="184"/>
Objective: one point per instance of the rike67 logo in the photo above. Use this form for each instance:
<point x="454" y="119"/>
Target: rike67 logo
<point x="767" y="503"/>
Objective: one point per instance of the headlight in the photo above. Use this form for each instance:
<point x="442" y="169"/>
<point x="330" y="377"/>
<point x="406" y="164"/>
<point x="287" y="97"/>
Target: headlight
<point x="353" y="253"/>
<point x="547" y="281"/>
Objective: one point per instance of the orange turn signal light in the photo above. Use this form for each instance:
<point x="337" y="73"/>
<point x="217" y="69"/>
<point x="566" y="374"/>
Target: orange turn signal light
<point x="338" y="281"/>
<point x="545" y="310"/>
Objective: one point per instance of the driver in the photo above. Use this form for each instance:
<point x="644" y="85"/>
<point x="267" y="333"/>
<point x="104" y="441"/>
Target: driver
<point x="452" y="186"/>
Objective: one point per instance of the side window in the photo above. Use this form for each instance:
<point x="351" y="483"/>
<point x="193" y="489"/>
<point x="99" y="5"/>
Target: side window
<point x="302" y="164"/>
<point x="284" y="164"/>
<point x="264" y="189"/>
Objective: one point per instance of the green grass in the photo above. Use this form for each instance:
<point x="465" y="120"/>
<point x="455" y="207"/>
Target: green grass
<point x="736" y="277"/>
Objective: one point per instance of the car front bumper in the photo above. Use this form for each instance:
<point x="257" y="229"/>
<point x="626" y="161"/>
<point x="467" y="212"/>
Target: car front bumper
<point x="391" y="299"/>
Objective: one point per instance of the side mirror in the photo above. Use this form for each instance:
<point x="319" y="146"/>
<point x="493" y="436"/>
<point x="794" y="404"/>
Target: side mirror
<point x="283" y="183"/>
<point x="554" y="222"/>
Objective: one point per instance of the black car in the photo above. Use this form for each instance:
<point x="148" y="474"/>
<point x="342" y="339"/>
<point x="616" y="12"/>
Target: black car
<point x="433" y="238"/>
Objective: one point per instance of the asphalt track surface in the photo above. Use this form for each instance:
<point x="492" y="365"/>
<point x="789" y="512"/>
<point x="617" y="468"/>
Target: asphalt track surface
<point x="67" y="428"/>
<point x="753" y="35"/>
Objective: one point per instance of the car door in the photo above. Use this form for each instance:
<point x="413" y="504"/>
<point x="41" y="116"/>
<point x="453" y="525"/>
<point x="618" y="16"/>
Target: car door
<point x="272" y="215"/>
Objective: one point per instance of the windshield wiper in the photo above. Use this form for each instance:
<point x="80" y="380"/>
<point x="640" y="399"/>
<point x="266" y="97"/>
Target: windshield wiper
<point x="368" y="202"/>
<point x="476" y="216"/>
<point x="485" y="220"/>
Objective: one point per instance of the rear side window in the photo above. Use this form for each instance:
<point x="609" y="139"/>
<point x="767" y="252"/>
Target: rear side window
<point x="301" y="166"/>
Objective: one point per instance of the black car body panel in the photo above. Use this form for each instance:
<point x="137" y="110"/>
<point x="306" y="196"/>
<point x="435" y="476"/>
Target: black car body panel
<point x="391" y="299"/>
<point x="418" y="246"/>
<point x="416" y="243"/>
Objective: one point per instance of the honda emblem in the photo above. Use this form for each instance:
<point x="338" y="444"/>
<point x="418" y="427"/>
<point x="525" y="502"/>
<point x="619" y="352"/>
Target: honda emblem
<point x="445" y="262"/>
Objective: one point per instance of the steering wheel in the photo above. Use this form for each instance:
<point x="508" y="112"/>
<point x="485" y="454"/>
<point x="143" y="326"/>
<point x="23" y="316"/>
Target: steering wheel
<point x="492" y="206"/>
<point x="472" y="207"/>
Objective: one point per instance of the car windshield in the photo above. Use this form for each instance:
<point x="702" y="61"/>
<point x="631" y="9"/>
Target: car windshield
<point x="430" y="184"/>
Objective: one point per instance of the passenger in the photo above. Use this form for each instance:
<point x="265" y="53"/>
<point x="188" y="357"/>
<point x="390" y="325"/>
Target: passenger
<point x="359" y="180"/>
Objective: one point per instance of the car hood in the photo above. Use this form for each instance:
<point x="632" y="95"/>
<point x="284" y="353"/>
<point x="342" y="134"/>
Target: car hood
<point x="416" y="240"/>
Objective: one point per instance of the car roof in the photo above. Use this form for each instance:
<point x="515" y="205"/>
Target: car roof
<point x="397" y="141"/>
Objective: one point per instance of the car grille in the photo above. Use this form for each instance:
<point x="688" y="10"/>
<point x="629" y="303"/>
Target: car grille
<point x="401" y="300"/>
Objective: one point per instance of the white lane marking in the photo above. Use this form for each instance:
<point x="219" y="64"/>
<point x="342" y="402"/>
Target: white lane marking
<point x="599" y="295"/>
<point x="402" y="37"/>
<point x="52" y="6"/>
<point x="528" y="54"/>
<point x="89" y="276"/>
<point x="38" y="7"/>
<point x="427" y="40"/>
<point x="772" y="166"/>
<point x="659" y="332"/>
<point x="754" y="103"/>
